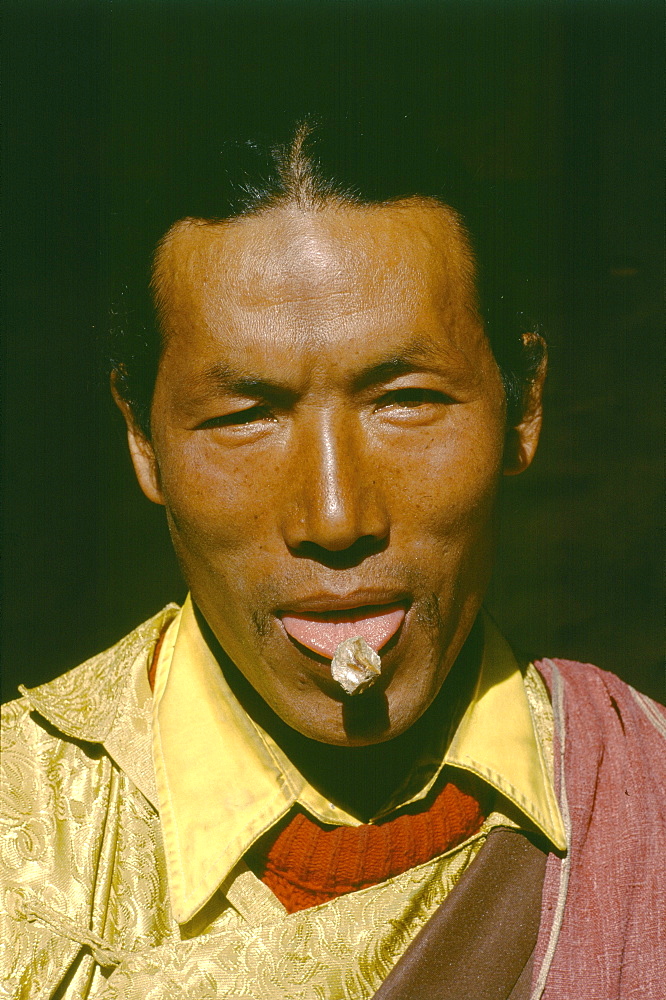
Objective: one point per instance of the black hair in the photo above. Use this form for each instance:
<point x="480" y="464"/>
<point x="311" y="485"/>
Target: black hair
<point x="318" y="165"/>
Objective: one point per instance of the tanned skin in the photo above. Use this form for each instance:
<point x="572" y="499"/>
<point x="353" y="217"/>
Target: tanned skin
<point x="329" y="425"/>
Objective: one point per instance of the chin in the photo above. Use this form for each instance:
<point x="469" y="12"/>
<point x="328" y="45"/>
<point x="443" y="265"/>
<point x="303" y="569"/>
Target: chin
<point x="358" y="720"/>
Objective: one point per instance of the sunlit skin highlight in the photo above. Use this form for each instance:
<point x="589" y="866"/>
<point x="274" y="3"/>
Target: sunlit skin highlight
<point x="328" y="430"/>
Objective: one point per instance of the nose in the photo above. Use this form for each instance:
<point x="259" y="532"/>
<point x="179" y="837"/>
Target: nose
<point x="336" y="506"/>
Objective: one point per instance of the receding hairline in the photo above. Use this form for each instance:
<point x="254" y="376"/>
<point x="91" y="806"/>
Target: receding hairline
<point x="455" y="239"/>
<point x="426" y="203"/>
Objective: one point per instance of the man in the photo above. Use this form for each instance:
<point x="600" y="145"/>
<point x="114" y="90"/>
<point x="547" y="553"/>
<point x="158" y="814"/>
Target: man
<point x="204" y="810"/>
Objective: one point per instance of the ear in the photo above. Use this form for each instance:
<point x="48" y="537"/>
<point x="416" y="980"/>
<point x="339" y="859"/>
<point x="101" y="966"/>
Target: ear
<point x="141" y="449"/>
<point x="522" y="439"/>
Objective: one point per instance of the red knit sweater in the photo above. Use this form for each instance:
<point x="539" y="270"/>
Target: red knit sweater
<point x="305" y="862"/>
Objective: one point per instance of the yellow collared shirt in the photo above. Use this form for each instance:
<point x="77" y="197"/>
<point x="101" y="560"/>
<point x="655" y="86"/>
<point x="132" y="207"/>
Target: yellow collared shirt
<point x="212" y="814"/>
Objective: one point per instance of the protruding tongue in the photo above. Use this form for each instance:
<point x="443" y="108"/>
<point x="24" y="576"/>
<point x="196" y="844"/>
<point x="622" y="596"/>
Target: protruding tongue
<point x="323" y="633"/>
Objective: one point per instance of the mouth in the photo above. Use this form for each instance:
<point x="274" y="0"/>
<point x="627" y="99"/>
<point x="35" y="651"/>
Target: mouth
<point x="322" y="630"/>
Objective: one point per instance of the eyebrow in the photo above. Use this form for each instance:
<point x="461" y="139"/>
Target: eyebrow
<point x="418" y="355"/>
<point x="220" y="377"/>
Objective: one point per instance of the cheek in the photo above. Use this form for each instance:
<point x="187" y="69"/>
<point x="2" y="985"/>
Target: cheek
<point x="213" y="502"/>
<point x="447" y="486"/>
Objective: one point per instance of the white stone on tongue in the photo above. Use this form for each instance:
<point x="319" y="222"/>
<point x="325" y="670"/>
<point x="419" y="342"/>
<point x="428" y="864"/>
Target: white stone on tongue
<point x="355" y="665"/>
<point x="324" y="637"/>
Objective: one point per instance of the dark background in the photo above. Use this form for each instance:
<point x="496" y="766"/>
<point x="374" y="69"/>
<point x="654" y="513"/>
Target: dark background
<point x="552" y="106"/>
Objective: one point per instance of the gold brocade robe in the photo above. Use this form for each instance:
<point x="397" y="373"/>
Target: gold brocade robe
<point x="85" y="899"/>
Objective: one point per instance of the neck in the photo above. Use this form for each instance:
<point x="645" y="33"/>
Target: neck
<point x="359" y="779"/>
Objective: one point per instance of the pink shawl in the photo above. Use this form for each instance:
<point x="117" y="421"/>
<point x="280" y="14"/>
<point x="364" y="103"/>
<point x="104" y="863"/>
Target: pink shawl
<point x="603" y="926"/>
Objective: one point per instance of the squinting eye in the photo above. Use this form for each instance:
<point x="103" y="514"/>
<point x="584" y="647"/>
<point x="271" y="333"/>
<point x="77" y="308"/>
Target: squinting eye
<point x="412" y="397"/>
<point x="238" y="417"/>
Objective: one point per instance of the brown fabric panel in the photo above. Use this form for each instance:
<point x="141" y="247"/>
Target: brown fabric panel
<point x="523" y="988"/>
<point x="480" y="940"/>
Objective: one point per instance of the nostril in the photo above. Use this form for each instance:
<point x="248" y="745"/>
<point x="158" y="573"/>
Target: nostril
<point x="353" y="555"/>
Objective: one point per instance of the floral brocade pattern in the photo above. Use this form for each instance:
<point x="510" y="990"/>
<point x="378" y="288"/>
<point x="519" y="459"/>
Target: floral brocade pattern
<point x="340" y="950"/>
<point x="103" y="678"/>
<point x="84" y="901"/>
<point x="80" y="847"/>
<point x="80" y="850"/>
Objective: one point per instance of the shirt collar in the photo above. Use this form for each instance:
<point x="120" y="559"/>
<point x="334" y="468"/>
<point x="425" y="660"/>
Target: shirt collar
<point x="93" y="701"/>
<point x="222" y="781"/>
<point x="496" y="739"/>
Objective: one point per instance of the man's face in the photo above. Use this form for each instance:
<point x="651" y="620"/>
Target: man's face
<point x="327" y="434"/>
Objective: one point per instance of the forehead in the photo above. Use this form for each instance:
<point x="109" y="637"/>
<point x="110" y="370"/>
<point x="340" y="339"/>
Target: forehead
<point x="340" y="257"/>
